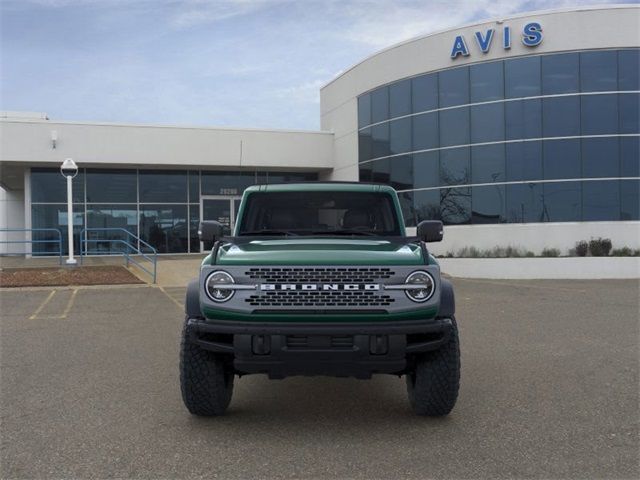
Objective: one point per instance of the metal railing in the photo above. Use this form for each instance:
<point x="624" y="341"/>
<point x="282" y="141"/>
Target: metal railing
<point x="132" y="248"/>
<point x="57" y="241"/>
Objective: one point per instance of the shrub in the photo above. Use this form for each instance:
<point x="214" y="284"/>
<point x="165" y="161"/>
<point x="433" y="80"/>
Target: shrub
<point x="600" y="247"/>
<point x="550" y="252"/>
<point x="625" y="252"/>
<point x="529" y="253"/>
<point x="582" y="248"/>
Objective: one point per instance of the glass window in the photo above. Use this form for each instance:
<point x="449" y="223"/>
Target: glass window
<point x="194" y="186"/>
<point x="600" y="157"/>
<point x="561" y="159"/>
<point x="112" y="186"/>
<point x="364" y="110"/>
<point x="487" y="164"/>
<point x="365" y="145"/>
<point x="165" y="227"/>
<point x="380" y="140"/>
<point x="629" y="112"/>
<point x="381" y="170"/>
<point x="424" y="92"/>
<point x="560" y="73"/>
<point x="523" y="119"/>
<point x="629" y="200"/>
<point x="115" y="218"/>
<point x="365" y="172"/>
<point x="48" y="185"/>
<point x="380" y="105"/>
<point x="561" y="202"/>
<point x="488" y="204"/>
<point x="400" y="99"/>
<point x="629" y="70"/>
<point x="455" y="166"/>
<point x="290" y="177"/>
<point x="406" y="205"/>
<point x="630" y="156"/>
<point x="226" y="183"/>
<point x="524" y="202"/>
<point x="599" y="114"/>
<point x="194" y="223"/>
<point x="454" y="127"/>
<point x="487" y="82"/>
<point x="54" y="216"/>
<point x="400" y="135"/>
<point x="454" y="87"/>
<point x="487" y="123"/>
<point x="401" y="175"/>
<point x="599" y="71"/>
<point x="455" y="205"/>
<point x="561" y="116"/>
<point x="426" y="204"/>
<point x="425" y="131"/>
<point x="163" y="186"/>
<point x="522" y="77"/>
<point x="523" y="161"/>
<point x="601" y="200"/>
<point x="426" y="169"/>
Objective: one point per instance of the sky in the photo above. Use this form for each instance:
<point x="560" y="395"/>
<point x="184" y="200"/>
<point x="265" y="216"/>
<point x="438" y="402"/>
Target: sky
<point x="242" y="63"/>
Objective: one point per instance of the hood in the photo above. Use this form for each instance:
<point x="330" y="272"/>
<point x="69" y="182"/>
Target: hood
<point x="325" y="251"/>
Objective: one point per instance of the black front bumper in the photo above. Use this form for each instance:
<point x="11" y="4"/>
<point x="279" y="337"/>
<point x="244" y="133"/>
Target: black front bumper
<point x="335" y="349"/>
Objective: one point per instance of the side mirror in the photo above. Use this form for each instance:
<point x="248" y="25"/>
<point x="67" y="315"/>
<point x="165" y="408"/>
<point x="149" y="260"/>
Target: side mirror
<point x="430" y="231"/>
<point x="209" y="232"/>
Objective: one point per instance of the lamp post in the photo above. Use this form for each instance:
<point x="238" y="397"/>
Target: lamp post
<point x="69" y="169"/>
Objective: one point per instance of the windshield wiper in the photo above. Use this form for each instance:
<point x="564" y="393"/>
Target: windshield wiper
<point x="344" y="232"/>
<point x="268" y="231"/>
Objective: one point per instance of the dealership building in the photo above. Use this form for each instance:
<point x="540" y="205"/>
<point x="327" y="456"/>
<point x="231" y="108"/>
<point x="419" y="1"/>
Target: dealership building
<point x="521" y="131"/>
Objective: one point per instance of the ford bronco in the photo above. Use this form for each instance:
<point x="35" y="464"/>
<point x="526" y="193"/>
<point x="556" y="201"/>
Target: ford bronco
<point x="320" y="279"/>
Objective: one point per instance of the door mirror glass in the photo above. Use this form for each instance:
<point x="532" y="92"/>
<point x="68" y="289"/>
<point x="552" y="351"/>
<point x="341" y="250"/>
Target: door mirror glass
<point x="430" y="231"/>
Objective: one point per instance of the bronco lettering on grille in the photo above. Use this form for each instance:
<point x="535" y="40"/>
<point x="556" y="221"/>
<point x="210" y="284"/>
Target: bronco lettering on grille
<point x="266" y="287"/>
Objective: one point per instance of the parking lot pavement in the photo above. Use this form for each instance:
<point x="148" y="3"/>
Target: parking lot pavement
<point x="549" y="390"/>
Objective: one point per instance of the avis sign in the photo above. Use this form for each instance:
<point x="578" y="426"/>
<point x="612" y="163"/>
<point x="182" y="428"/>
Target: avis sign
<point x="531" y="36"/>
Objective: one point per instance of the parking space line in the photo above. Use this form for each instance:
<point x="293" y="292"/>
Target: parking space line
<point x="179" y="305"/>
<point x="69" y="304"/>
<point x="42" y="305"/>
<point x="518" y="285"/>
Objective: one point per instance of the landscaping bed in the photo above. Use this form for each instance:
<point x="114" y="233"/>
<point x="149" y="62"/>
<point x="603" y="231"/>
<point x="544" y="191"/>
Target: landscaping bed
<point x="62" y="276"/>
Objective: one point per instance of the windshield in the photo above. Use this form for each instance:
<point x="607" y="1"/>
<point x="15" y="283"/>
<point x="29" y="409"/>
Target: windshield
<point x="319" y="213"/>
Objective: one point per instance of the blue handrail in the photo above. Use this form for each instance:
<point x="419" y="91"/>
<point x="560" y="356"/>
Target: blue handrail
<point x="57" y="240"/>
<point x="129" y="248"/>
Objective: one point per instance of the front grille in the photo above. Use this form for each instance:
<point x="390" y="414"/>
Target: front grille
<point x="319" y="274"/>
<point x="319" y="341"/>
<point x="320" y="299"/>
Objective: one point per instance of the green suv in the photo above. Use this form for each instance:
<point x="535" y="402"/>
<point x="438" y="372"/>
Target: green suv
<point x="320" y="279"/>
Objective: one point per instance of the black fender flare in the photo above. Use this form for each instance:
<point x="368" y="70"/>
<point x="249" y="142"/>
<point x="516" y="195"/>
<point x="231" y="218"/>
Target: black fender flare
<point x="192" y="300"/>
<point x="447" y="300"/>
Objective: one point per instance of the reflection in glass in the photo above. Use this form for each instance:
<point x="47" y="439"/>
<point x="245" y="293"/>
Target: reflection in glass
<point x="629" y="112"/>
<point x="380" y="105"/>
<point x="406" y="205"/>
<point x="630" y="156"/>
<point x="487" y="164"/>
<point x="364" y="110"/>
<point x="488" y="204"/>
<point x="426" y="169"/>
<point x="455" y="166"/>
<point x="630" y="200"/>
<point x="454" y="87"/>
<point x="194" y="186"/>
<point x="561" y="159"/>
<point x="599" y="71"/>
<point x="487" y="82"/>
<point x="561" y="202"/>
<point x="226" y="183"/>
<point x="599" y="114"/>
<point x="560" y="73"/>
<point x="629" y="69"/>
<point x="158" y="186"/>
<point x="165" y="227"/>
<point x="425" y="131"/>
<point x="455" y="205"/>
<point x="601" y="200"/>
<point x="112" y="186"/>
<point x="524" y="203"/>
<point x="113" y="217"/>
<point x="600" y="157"/>
<point x="365" y="172"/>
<point x="365" y="145"/>
<point x="523" y="119"/>
<point x="381" y="171"/>
<point x="454" y="127"/>
<point x="522" y="77"/>
<point x="426" y="205"/>
<point x="380" y="140"/>
<point x="561" y="116"/>
<point x="400" y="135"/>
<point x="55" y="216"/>
<point x="49" y="186"/>
<point x="487" y="123"/>
<point x="194" y="223"/>
<point x="401" y="174"/>
<point x="424" y="92"/>
<point x="523" y="161"/>
<point x="400" y="99"/>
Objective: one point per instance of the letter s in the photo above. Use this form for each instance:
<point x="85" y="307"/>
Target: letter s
<point x="532" y="34"/>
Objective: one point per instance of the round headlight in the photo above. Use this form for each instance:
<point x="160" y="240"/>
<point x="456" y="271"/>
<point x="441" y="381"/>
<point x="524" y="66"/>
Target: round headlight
<point x="424" y="286"/>
<point x="214" y="286"/>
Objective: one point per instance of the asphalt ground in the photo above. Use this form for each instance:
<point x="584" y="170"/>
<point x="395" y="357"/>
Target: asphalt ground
<point x="549" y="390"/>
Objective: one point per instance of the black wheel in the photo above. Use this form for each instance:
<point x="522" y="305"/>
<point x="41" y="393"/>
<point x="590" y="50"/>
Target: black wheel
<point x="433" y="384"/>
<point x="206" y="382"/>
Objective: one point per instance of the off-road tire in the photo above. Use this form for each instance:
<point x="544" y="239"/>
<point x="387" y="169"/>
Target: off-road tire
<point x="433" y="384"/>
<point x="205" y="381"/>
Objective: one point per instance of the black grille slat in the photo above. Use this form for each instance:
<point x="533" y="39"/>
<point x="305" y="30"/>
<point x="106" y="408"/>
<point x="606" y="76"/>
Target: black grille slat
<point x="319" y="274"/>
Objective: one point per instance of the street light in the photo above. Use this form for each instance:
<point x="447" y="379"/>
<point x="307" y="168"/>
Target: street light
<point x="69" y="169"/>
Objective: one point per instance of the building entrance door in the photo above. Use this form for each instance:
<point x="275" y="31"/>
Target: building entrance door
<point x="221" y="209"/>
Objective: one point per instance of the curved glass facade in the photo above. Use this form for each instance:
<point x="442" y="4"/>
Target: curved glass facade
<point x="544" y="138"/>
